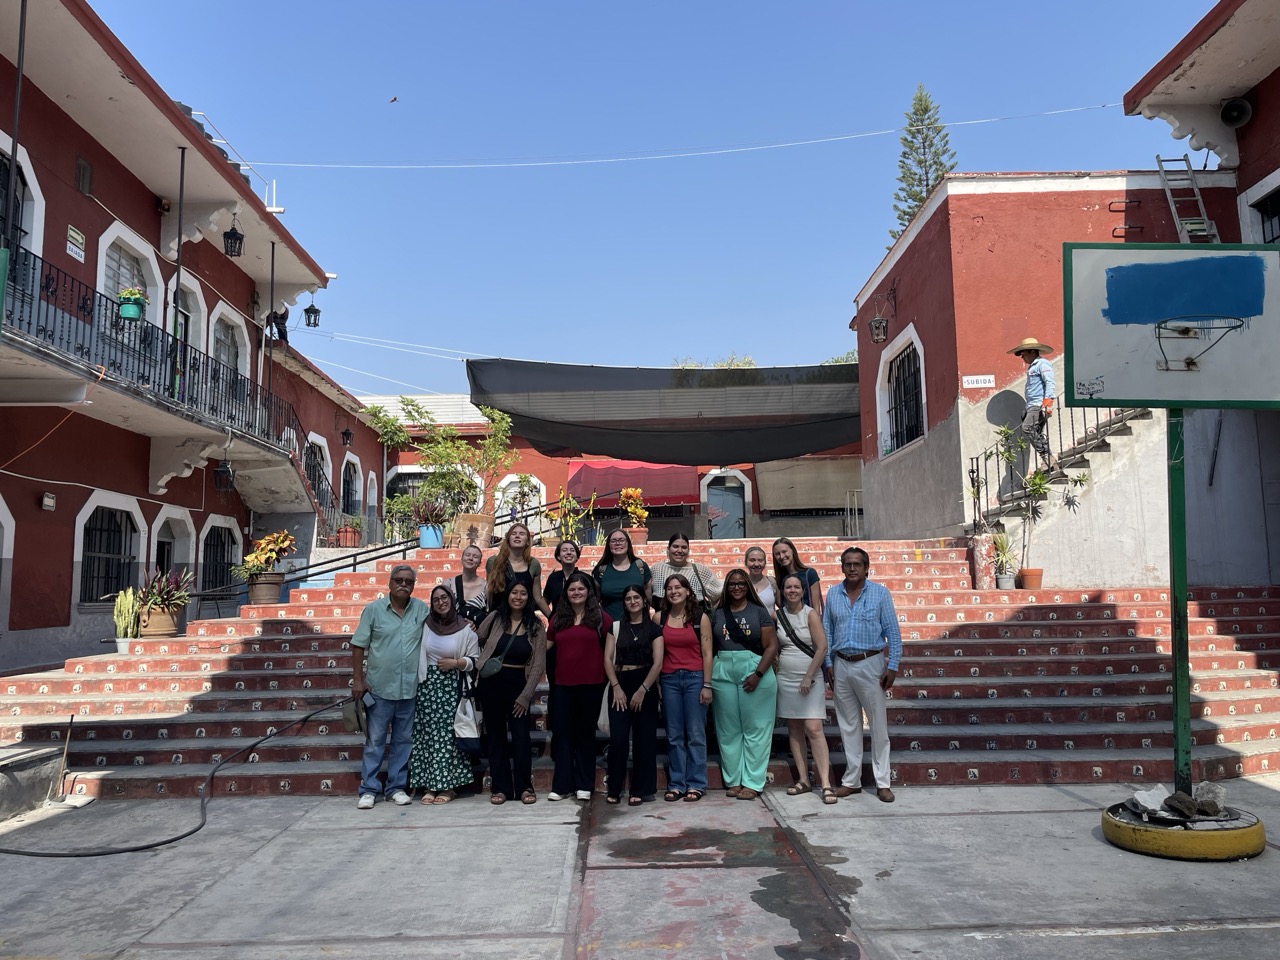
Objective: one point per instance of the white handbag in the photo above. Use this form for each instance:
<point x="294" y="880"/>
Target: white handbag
<point x="602" y="721"/>
<point x="466" y="731"/>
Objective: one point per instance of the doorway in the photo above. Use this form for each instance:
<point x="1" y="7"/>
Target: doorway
<point x="726" y="508"/>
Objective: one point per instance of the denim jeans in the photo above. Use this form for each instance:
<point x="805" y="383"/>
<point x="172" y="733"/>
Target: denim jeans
<point x="397" y="717"/>
<point x="686" y="720"/>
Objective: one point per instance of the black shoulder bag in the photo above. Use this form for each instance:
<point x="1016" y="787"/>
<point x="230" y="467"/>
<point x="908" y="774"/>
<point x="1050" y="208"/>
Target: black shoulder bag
<point x="799" y="644"/>
<point x="494" y="663"/>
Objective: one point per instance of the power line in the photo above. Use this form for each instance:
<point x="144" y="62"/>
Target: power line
<point x="376" y="376"/>
<point x="649" y="155"/>
<point x="421" y="349"/>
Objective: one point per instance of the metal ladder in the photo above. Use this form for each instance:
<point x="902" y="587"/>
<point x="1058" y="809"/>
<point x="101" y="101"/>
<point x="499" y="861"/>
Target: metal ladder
<point x="1185" y="202"/>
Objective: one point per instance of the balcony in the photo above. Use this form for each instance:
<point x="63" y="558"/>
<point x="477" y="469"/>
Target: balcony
<point x="78" y="333"/>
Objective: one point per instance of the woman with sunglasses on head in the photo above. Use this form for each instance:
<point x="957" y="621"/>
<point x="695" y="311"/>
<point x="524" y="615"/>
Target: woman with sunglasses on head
<point x="470" y="590"/>
<point x="449" y="647"/>
<point x="618" y="569"/>
<point x="567" y="555"/>
<point x="515" y="563"/>
<point x="686" y="689"/>
<point x="802" y="692"/>
<point x="514" y="635"/>
<point x="744" y="684"/>
<point x="761" y="582"/>
<point x="577" y="633"/>
<point x="786" y="559"/>
<point x="706" y="585"/>
<point x="632" y="663"/>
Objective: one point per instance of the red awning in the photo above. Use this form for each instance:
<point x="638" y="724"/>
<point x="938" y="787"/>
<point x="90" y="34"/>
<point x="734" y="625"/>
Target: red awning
<point x="661" y="485"/>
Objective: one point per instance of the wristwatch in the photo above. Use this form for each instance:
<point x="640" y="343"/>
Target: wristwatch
<point x="759" y="675"/>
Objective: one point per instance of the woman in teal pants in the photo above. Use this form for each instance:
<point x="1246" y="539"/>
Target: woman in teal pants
<point x="745" y="688"/>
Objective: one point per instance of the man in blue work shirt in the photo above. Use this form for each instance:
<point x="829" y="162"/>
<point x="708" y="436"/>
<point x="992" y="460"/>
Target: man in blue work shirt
<point x="1038" y="395"/>
<point x="384" y="674"/>
<point x="859" y="620"/>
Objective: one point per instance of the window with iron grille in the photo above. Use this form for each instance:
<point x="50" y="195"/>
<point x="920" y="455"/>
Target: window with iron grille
<point x="906" y="415"/>
<point x="350" y="488"/>
<point x="313" y="465"/>
<point x="110" y="551"/>
<point x="19" y="200"/>
<point x="123" y="269"/>
<point x="1269" y="209"/>
<point x="217" y="555"/>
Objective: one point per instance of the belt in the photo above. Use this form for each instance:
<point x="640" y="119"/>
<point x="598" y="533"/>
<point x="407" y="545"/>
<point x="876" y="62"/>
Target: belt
<point x="855" y="657"/>
<point x="515" y="666"/>
<point x="640" y="666"/>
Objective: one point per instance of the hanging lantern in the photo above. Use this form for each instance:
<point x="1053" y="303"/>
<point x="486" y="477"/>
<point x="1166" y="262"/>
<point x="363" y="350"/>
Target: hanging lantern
<point x="311" y="315"/>
<point x="879" y="327"/>
<point x="224" y="477"/>
<point x="233" y="240"/>
<point x="347" y="437"/>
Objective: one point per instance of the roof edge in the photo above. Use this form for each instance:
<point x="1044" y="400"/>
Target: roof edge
<point x="1209" y="24"/>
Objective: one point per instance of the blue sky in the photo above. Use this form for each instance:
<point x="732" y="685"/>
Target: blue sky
<point x="628" y="263"/>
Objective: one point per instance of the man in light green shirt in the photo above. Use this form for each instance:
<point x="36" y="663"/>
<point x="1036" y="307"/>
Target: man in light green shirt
<point x="384" y="675"/>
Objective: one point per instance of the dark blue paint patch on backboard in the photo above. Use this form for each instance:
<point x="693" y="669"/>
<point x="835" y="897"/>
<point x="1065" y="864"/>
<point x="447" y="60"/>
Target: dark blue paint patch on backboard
<point x="1223" y="286"/>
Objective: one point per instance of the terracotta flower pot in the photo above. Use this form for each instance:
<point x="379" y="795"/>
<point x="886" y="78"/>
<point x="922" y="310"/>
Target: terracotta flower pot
<point x="265" y="587"/>
<point x="159" y="623"/>
<point x="638" y="535"/>
<point x="1031" y="578"/>
<point x="474" y="528"/>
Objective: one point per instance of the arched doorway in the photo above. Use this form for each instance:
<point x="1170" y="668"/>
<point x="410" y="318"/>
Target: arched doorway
<point x="726" y="508"/>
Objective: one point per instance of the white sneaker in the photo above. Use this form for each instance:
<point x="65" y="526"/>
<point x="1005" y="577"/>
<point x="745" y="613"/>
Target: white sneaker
<point x="400" y="799"/>
<point x="365" y="802"/>
<point x="584" y="794"/>
<point x="555" y="796"/>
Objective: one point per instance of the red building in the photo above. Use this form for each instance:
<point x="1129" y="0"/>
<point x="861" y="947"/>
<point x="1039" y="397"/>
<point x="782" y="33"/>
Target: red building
<point x="112" y="426"/>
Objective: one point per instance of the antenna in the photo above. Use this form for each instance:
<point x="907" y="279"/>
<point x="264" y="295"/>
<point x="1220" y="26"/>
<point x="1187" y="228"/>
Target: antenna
<point x="272" y="207"/>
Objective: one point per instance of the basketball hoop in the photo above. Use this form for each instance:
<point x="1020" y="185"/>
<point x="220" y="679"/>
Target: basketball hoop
<point x="1200" y="328"/>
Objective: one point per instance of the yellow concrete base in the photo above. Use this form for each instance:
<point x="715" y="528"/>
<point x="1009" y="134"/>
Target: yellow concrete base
<point x="1228" y="840"/>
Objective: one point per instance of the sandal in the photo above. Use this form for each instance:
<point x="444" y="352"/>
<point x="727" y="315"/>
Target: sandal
<point x="746" y="793"/>
<point x="612" y="801"/>
<point x="446" y="796"/>
<point x="428" y="798"/>
<point x="498" y="799"/>
<point x="528" y="797"/>
<point x="672" y="795"/>
<point x="829" y="795"/>
<point x="798" y="788"/>
<point x="634" y="801"/>
<point x="693" y="796"/>
<point x="732" y="792"/>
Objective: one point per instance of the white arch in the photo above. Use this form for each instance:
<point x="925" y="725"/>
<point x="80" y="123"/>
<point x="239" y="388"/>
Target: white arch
<point x="323" y="443"/>
<point x="747" y="488"/>
<point x="199" y="336"/>
<point x="113" y="501"/>
<point x="184" y="550"/>
<point x="218" y="520"/>
<point x="221" y="311"/>
<point x="889" y="353"/>
<point x="140" y="248"/>
<point x="35" y="230"/>
<point x="349" y="457"/>
<point x="7" y="531"/>
<point x="371" y="490"/>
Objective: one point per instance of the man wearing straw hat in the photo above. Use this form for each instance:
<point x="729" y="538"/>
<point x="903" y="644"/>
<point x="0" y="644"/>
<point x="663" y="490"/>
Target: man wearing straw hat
<point x="1038" y="395"/>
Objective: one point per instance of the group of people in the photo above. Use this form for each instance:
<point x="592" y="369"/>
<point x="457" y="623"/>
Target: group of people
<point x="624" y="640"/>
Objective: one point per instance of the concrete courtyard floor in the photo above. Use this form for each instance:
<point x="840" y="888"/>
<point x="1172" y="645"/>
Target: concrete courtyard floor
<point x="946" y="872"/>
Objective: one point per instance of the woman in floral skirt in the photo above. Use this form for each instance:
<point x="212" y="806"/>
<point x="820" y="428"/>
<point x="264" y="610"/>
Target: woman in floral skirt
<point x="449" y="646"/>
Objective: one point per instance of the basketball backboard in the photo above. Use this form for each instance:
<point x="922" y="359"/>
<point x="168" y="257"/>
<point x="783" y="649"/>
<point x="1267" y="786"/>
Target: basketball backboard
<point x="1171" y="325"/>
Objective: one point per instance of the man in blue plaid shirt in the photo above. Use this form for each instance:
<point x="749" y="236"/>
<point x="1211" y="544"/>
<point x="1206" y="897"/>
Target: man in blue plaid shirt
<point x="859" y="620"/>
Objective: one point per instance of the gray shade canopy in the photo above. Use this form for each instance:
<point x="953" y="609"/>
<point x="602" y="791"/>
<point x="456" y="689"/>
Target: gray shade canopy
<point x="685" y="416"/>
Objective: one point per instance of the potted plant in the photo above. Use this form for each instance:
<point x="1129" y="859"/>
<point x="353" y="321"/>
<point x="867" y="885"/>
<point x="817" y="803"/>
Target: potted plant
<point x="125" y="613"/>
<point x="456" y="467"/>
<point x="160" y="602"/>
<point x="258" y="568"/>
<point x="133" y="302"/>
<point x="631" y="500"/>
<point x="430" y="516"/>
<point x="1004" y="561"/>
<point x="349" y="531"/>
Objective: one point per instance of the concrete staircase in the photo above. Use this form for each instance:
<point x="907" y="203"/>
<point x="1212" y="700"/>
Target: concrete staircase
<point x="1008" y="686"/>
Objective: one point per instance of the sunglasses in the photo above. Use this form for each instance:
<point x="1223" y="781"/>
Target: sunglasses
<point x="403" y="581"/>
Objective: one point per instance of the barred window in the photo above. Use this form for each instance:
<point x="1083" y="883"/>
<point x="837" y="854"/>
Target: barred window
<point x="123" y="269"/>
<point x="216" y="558"/>
<point x="1269" y="209"/>
<point x="313" y="465"/>
<point x="350" y="488"/>
<point x="110" y="549"/>
<point x="12" y="226"/>
<point x="906" y="414"/>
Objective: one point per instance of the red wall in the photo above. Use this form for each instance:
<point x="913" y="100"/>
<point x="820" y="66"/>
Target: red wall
<point x="44" y="541"/>
<point x="1259" y="139"/>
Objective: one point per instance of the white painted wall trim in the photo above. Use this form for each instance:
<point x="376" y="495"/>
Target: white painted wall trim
<point x="140" y="248"/>
<point x="113" y="501"/>
<point x="349" y="457"/>
<point x="8" y="532"/>
<point x="34" y="228"/>
<point x="217" y="520"/>
<point x="890" y="352"/>
<point x="184" y="550"/>
<point x="371" y="490"/>
<point x="323" y="444"/>
<point x="221" y="311"/>
<point x="748" y="488"/>
<point x="1250" y="219"/>
<point x="199" y="337"/>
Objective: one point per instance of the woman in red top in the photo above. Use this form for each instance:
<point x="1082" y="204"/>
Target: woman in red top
<point x="686" y="689"/>
<point x="578" y="628"/>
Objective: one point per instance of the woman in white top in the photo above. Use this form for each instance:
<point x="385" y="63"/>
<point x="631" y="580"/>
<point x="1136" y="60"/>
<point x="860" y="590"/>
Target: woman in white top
<point x="763" y="583"/>
<point x="802" y="700"/>
<point x="449" y="645"/>
<point x="707" y="587"/>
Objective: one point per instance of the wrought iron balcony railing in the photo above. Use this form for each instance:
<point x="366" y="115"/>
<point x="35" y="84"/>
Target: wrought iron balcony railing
<point x="51" y="309"/>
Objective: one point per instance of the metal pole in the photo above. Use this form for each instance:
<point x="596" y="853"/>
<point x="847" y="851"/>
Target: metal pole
<point x="180" y="363"/>
<point x="271" y="315"/>
<point x="1178" y="604"/>
<point x="10" y="238"/>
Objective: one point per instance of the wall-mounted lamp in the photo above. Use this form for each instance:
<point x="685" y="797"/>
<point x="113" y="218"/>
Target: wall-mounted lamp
<point x="879" y="324"/>
<point x="233" y="240"/>
<point x="224" y="477"/>
<point x="347" y="435"/>
<point x="311" y="314"/>
<point x="48" y="501"/>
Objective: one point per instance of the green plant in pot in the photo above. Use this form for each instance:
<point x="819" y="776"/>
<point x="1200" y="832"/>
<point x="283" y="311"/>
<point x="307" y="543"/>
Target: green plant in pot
<point x="349" y="530"/>
<point x="430" y="516"/>
<point x="125" y="614"/>
<point x="1004" y="561"/>
<point x="133" y="302"/>
<point x="258" y="568"/>
<point x="161" y="601"/>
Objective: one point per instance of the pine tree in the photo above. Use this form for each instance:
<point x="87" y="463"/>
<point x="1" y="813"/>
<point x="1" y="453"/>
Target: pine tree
<point x="926" y="157"/>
